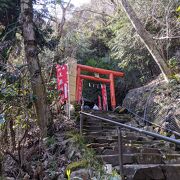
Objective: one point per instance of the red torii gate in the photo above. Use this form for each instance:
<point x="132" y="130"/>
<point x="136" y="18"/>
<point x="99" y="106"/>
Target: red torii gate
<point x="110" y="80"/>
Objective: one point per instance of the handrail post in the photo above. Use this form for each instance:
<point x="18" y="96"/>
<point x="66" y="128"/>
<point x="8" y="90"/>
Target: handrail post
<point x="81" y="124"/>
<point x="120" y="149"/>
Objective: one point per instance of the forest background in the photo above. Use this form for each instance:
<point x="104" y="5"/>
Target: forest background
<point x="140" y="38"/>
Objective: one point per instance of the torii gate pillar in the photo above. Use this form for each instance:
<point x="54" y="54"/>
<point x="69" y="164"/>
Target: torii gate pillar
<point x="112" y="91"/>
<point x="78" y="84"/>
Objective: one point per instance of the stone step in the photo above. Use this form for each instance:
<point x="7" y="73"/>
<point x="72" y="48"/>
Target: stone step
<point x="111" y="150"/>
<point x="88" y="126"/>
<point x="111" y="115"/>
<point x="171" y="158"/>
<point x="130" y="150"/>
<point x="127" y="148"/>
<point x="141" y="158"/>
<point x="96" y="145"/>
<point x="135" y="158"/>
<point x="102" y="140"/>
<point x="113" y="134"/>
<point x="97" y="121"/>
<point x="151" y="172"/>
<point x="93" y="120"/>
<point x="136" y="138"/>
<point x="95" y="133"/>
<point x="114" y="143"/>
<point x="110" y="139"/>
<point x="95" y="128"/>
<point x="144" y="157"/>
<point x="135" y="143"/>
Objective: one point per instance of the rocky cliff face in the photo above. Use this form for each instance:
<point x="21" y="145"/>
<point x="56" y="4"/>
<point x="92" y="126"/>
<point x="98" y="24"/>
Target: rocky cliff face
<point x="157" y="102"/>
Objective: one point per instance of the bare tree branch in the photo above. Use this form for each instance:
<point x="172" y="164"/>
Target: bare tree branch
<point x="166" y="37"/>
<point x="95" y="12"/>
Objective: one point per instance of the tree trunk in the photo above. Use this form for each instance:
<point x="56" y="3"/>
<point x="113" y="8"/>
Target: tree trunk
<point x="146" y="38"/>
<point x="31" y="55"/>
<point x="1" y="162"/>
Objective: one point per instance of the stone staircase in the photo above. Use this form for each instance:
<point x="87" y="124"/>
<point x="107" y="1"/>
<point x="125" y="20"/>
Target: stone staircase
<point x="144" y="157"/>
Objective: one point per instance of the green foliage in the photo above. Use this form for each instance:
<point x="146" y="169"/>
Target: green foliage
<point x="6" y="5"/>
<point x="77" y="165"/>
<point x="175" y="79"/>
<point x="76" y="138"/>
<point x="173" y="62"/>
<point x="9" y="14"/>
<point x="114" y="176"/>
<point x="129" y="52"/>
<point x="52" y="92"/>
<point x="15" y="106"/>
<point x="50" y="141"/>
<point x="88" y="159"/>
<point x="178" y="11"/>
<point x="88" y="154"/>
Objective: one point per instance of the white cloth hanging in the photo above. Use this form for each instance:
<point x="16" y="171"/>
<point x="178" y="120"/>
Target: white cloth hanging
<point x="95" y="107"/>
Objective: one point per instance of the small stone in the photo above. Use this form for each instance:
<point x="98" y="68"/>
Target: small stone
<point x="61" y="177"/>
<point x="26" y="177"/>
<point x="81" y="173"/>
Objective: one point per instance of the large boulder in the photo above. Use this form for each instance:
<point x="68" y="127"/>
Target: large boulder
<point x="157" y="102"/>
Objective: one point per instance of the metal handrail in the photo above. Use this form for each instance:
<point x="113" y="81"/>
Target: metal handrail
<point x="156" y="135"/>
<point x="119" y="126"/>
<point x="145" y="120"/>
